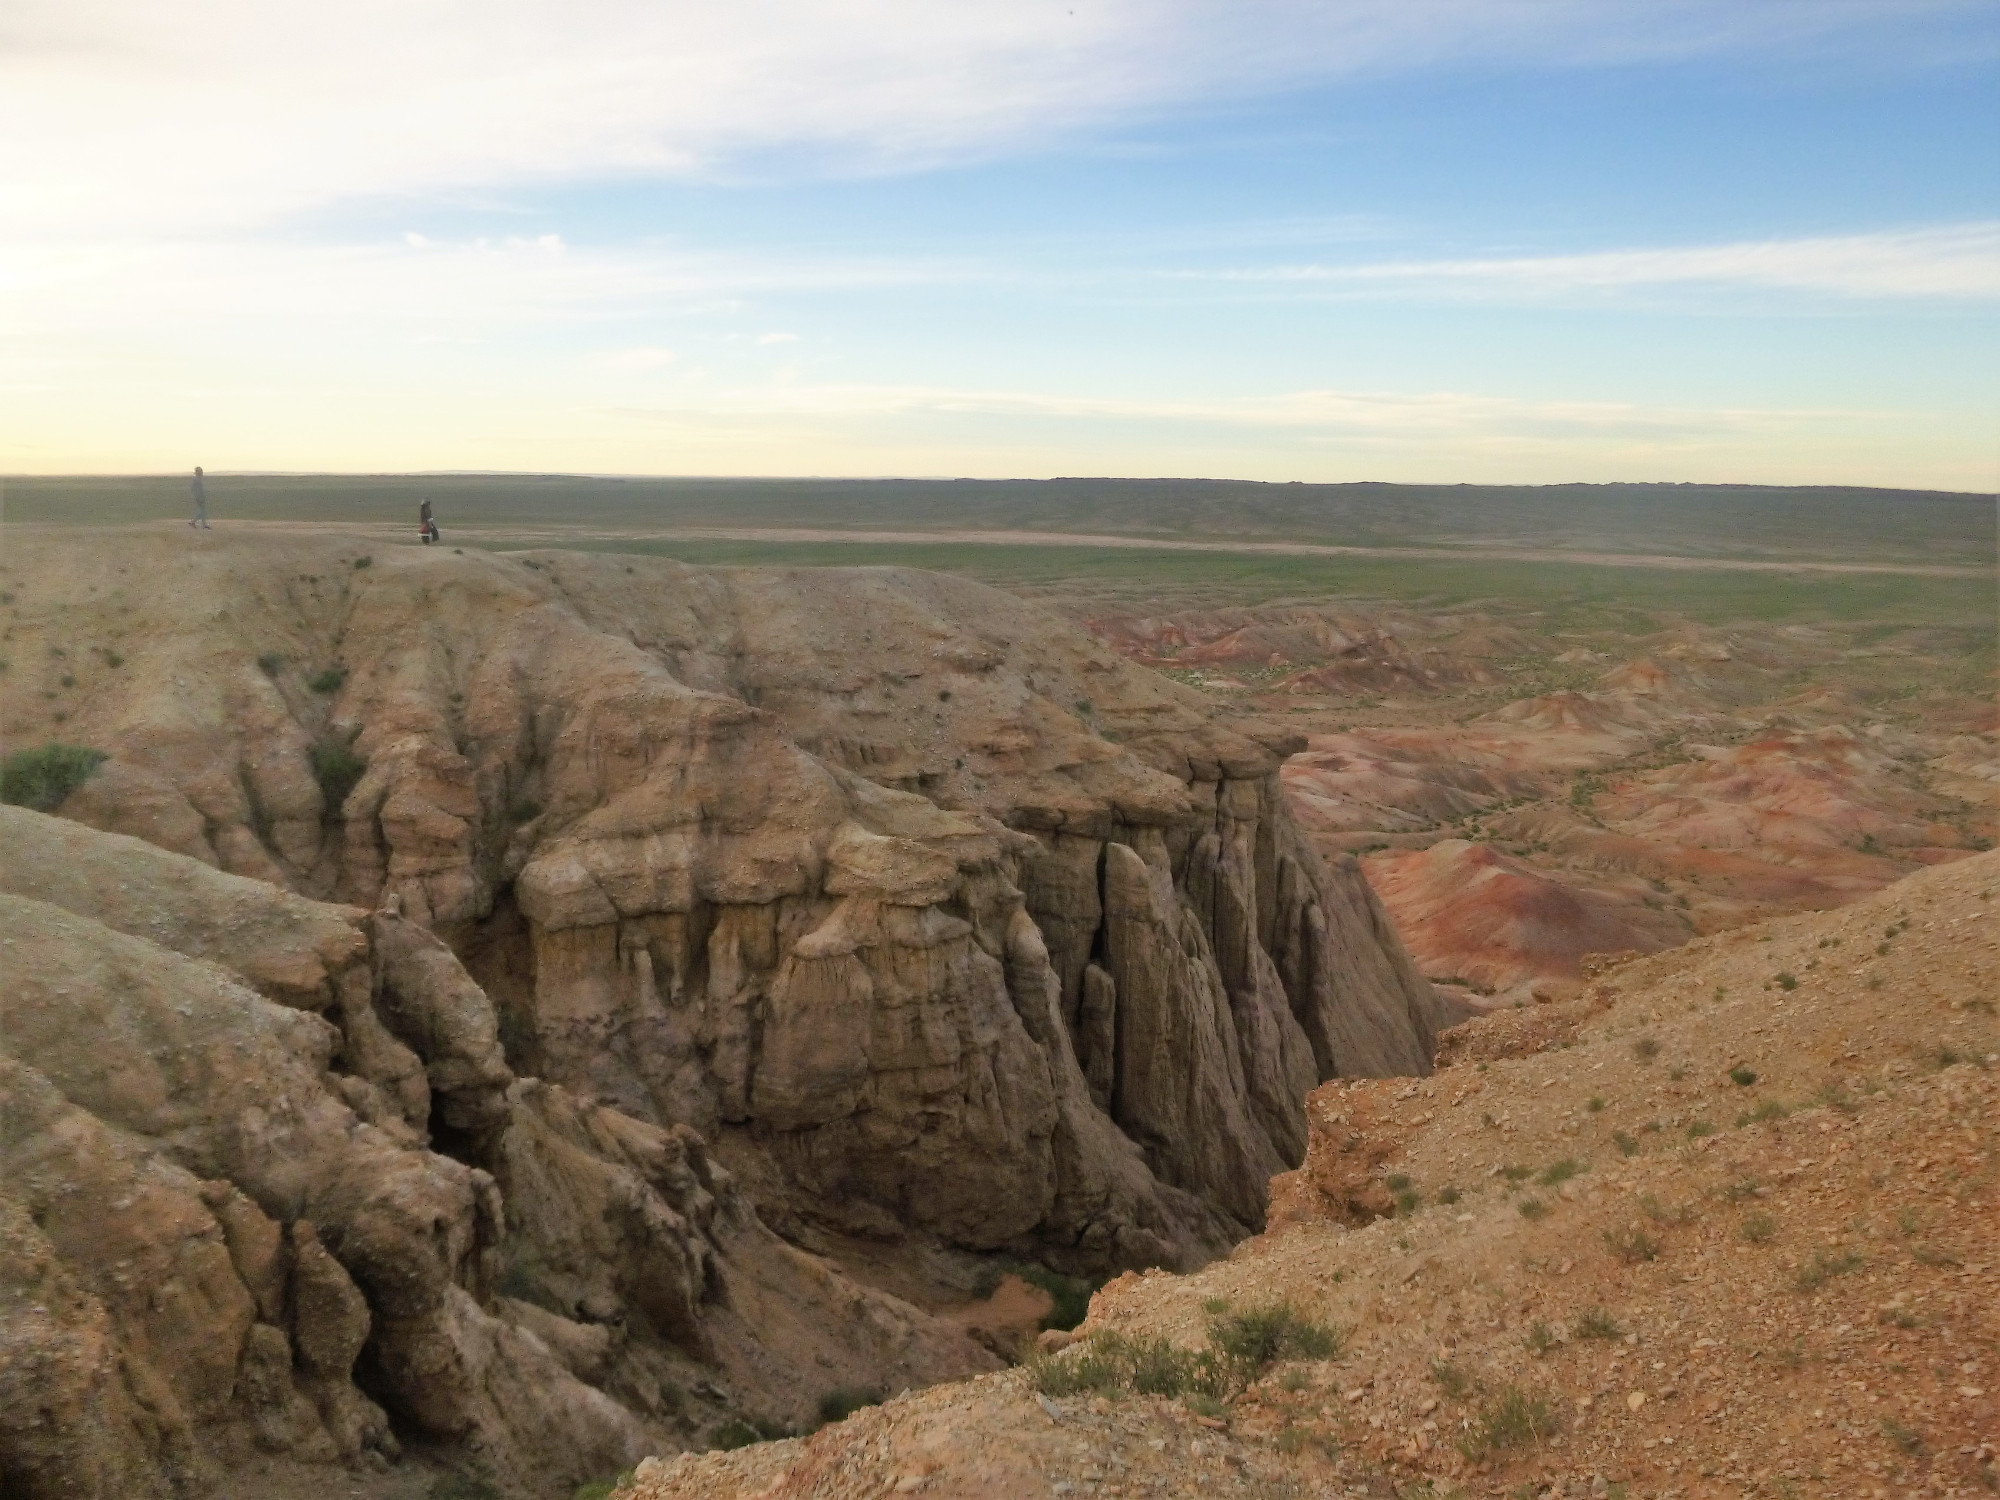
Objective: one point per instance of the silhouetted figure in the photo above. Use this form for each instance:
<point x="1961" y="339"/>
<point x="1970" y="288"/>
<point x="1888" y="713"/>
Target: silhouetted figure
<point x="200" y="501"/>
<point x="426" y="526"/>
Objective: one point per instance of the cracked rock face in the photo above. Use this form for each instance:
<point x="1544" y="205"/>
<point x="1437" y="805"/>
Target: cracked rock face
<point x="680" y="901"/>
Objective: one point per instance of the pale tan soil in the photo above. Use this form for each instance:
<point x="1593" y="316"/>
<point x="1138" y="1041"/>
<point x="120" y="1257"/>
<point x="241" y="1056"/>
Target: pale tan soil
<point x="1728" y="1376"/>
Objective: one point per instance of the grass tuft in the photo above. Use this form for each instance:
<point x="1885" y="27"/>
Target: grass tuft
<point x="1514" y="1419"/>
<point x="1825" y="1264"/>
<point x="1631" y="1244"/>
<point x="1742" y="1077"/>
<point x="1597" y="1323"/>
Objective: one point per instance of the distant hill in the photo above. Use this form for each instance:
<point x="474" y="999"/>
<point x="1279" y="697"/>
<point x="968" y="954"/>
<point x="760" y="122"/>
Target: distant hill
<point x="1699" y="520"/>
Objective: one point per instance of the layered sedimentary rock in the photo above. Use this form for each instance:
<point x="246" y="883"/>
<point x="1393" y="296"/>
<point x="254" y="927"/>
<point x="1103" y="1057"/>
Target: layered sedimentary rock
<point x="226" y="1226"/>
<point x="927" y="911"/>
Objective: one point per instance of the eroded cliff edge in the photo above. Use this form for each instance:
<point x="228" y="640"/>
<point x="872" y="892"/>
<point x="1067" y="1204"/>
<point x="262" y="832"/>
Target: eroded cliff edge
<point x="895" y="902"/>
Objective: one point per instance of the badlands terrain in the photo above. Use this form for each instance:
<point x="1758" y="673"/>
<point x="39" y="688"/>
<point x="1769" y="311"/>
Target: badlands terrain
<point x="498" y="1012"/>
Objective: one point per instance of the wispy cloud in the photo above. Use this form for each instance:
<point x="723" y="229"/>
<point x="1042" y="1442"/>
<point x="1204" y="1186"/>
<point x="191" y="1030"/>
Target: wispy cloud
<point x="1953" y="261"/>
<point x="130" y="116"/>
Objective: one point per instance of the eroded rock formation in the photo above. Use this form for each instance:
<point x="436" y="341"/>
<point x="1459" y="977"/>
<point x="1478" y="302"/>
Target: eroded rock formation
<point x="679" y="903"/>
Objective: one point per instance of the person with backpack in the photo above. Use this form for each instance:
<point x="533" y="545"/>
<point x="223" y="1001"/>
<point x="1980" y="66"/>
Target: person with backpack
<point x="426" y="525"/>
<point x="200" y="501"/>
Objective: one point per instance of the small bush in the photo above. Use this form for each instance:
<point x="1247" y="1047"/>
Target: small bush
<point x="1407" y="1201"/>
<point x="1631" y="1244"/>
<point x="1261" y="1337"/>
<point x="329" y="681"/>
<point x="1596" y="1104"/>
<point x="1742" y="1077"/>
<point x="43" y="778"/>
<point x="1770" y="1109"/>
<point x="1699" y="1129"/>
<point x="363" y="562"/>
<point x="1533" y="1208"/>
<point x="733" y="1434"/>
<point x="1758" y="1229"/>
<point x="839" y="1405"/>
<point x="1397" y="1182"/>
<point x="1515" y="1419"/>
<point x="1448" y="1194"/>
<point x="1453" y="1381"/>
<point x="602" y="1489"/>
<point x="1070" y="1295"/>
<point x="112" y="659"/>
<point x="1627" y="1145"/>
<point x="1517" y="1174"/>
<point x="270" y="664"/>
<point x="1597" y="1323"/>
<point x="1659" y="1213"/>
<point x="1541" y="1338"/>
<point x="1110" y="1364"/>
<point x="464" y="1487"/>
<point x="1557" y="1173"/>
<point x="1823" y="1265"/>
<point x="337" y="769"/>
<point x="1787" y="981"/>
<point x="1740" y="1190"/>
<point x="1214" y="1305"/>
<point x="1646" y="1048"/>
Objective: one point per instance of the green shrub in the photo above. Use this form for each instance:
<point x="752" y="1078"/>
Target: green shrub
<point x="1448" y="1194"/>
<point x="839" y="1405"/>
<point x="1742" y="1077"/>
<point x="464" y="1487"/>
<point x="1823" y="1265"/>
<point x="733" y="1434"/>
<point x="1627" y="1145"/>
<point x="1541" y="1338"/>
<point x="602" y="1489"/>
<point x="42" y="778"/>
<point x="1787" y="982"/>
<point x="1770" y="1109"/>
<point x="1533" y="1208"/>
<point x="364" y="562"/>
<point x="1646" y="1049"/>
<point x="1258" y="1338"/>
<point x="1514" y="1419"/>
<point x="337" y="769"/>
<point x="1557" y="1173"/>
<point x="1111" y="1364"/>
<point x="1699" y="1129"/>
<point x="1453" y="1381"/>
<point x="1758" y="1228"/>
<point x="328" y="681"/>
<point x="270" y="664"/>
<point x="1597" y="1323"/>
<point x="1071" y="1295"/>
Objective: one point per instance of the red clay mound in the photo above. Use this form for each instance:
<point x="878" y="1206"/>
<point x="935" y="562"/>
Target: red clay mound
<point x="1470" y="913"/>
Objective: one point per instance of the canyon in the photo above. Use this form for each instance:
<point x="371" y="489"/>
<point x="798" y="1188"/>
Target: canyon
<point x="508" y="1007"/>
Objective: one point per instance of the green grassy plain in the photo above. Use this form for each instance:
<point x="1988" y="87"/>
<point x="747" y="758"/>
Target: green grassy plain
<point x="1825" y="524"/>
<point x="1572" y="596"/>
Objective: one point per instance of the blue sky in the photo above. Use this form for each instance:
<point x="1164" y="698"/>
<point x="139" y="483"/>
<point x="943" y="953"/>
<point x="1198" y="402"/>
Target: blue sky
<point x="1482" y="240"/>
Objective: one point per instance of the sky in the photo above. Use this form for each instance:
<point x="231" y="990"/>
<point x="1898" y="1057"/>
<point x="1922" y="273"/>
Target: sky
<point x="1487" y="241"/>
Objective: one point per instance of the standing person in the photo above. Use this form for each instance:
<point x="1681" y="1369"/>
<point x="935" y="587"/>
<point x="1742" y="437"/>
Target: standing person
<point x="200" y="501"/>
<point x="425" y="525"/>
